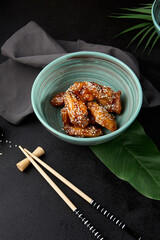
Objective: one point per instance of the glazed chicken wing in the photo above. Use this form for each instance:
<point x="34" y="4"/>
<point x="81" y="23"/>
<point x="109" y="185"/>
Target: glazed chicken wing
<point x="102" y="116"/>
<point x="86" y="96"/>
<point x="91" y="118"/>
<point x="77" y="87"/>
<point x="113" y="103"/>
<point x="77" y="110"/>
<point x="71" y="130"/>
<point x="81" y="89"/>
<point x="88" y="91"/>
<point x="105" y="96"/>
<point x="90" y="131"/>
<point x="58" y="99"/>
<point x="65" y="117"/>
<point x="81" y="116"/>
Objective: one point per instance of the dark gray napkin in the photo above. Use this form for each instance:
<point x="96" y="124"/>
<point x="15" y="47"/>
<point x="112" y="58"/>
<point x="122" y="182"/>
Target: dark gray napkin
<point x="29" y="50"/>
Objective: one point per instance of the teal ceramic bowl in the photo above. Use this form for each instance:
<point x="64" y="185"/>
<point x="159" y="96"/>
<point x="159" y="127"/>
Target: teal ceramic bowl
<point x="85" y="66"/>
<point x="156" y="15"/>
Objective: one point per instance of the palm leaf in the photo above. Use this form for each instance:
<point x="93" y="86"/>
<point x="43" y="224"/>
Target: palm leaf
<point x="146" y="5"/>
<point x="139" y="10"/>
<point x="146" y="33"/>
<point x="149" y="40"/>
<point x="154" y="43"/>
<point x="137" y="35"/>
<point x="135" y="16"/>
<point x="134" y="27"/>
<point x="141" y="13"/>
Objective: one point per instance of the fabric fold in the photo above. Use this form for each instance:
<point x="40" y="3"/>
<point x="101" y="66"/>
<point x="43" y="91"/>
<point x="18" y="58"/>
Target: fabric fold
<point x="29" y="50"/>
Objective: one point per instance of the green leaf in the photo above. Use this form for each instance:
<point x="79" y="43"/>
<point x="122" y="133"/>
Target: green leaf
<point x="146" y="5"/>
<point x="139" y="10"/>
<point x="134" y="158"/>
<point x="134" y="27"/>
<point x="137" y="35"/>
<point x="141" y="13"/>
<point x="134" y="16"/>
<point x="146" y="33"/>
<point x="154" y="43"/>
<point x="149" y="40"/>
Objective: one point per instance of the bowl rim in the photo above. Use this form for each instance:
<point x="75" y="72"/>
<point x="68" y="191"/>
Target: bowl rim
<point x="153" y="17"/>
<point x="92" y="139"/>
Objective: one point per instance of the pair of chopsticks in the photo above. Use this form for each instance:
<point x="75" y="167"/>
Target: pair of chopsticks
<point x="77" y="212"/>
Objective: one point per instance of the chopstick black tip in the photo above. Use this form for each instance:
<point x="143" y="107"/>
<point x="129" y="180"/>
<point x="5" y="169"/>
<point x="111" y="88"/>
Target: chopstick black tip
<point x="88" y="224"/>
<point x="114" y="219"/>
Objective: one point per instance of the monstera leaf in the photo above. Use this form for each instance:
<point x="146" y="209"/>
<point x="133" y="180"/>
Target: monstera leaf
<point x="134" y="158"/>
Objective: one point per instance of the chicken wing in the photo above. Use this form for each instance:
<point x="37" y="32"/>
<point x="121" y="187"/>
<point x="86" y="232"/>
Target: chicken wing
<point x="104" y="95"/>
<point x="58" y="99"/>
<point x="80" y="89"/>
<point x="78" y="131"/>
<point x="65" y="117"/>
<point x="102" y="116"/>
<point x="81" y="116"/>
<point x="90" y="131"/>
<point x="86" y="96"/>
<point x="77" y="110"/>
<point x="88" y="91"/>
<point x="77" y="87"/>
<point x="91" y="118"/>
<point x="112" y="104"/>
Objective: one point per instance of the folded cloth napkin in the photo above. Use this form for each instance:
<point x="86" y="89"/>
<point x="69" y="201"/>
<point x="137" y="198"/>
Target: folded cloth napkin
<point x="29" y="50"/>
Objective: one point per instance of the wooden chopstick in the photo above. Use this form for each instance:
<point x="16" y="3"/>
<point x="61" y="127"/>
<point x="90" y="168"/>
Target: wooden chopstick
<point x="60" y="177"/>
<point x="96" y="205"/>
<point x="77" y="212"/>
<point x="49" y="180"/>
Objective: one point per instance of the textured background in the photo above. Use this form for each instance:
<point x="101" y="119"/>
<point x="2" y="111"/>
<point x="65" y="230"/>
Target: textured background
<point x="29" y="208"/>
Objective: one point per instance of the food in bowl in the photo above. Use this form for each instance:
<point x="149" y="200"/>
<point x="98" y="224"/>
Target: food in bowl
<point x="88" y="107"/>
<point x="83" y="66"/>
